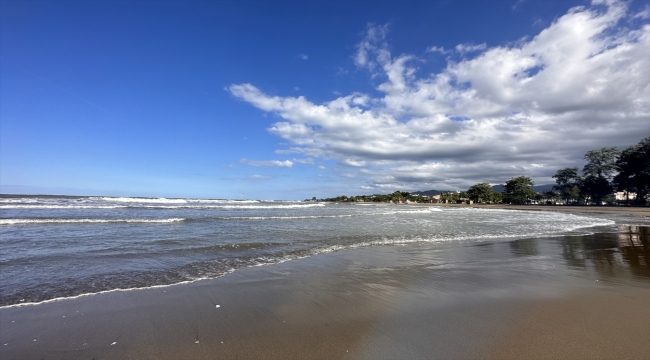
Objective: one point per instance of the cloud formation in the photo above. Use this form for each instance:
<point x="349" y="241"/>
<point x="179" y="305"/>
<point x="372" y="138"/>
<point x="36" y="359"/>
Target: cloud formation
<point x="468" y="48"/>
<point x="267" y="163"/>
<point x="524" y="109"/>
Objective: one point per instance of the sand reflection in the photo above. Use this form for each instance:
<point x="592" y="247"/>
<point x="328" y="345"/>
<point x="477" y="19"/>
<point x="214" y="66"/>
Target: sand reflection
<point x="611" y="255"/>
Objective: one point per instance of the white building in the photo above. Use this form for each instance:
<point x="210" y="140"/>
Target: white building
<point x="623" y="195"/>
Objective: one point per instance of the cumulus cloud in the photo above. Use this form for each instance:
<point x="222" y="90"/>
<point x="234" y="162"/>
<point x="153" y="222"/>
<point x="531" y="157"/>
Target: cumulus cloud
<point x="267" y="163"/>
<point x="580" y="84"/>
<point x="304" y="56"/>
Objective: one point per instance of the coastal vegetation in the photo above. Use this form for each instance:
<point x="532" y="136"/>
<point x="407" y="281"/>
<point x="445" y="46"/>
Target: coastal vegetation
<point x="518" y="190"/>
<point x="606" y="170"/>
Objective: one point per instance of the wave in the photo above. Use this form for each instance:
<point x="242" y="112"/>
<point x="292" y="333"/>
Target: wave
<point x="90" y="221"/>
<point x="170" y="201"/>
<point x="186" y="206"/>
<point x="24" y="206"/>
<point x="284" y="217"/>
<point x="422" y="211"/>
<point x="239" y="263"/>
<point x="305" y="253"/>
<point x="143" y="200"/>
<point x="231" y="207"/>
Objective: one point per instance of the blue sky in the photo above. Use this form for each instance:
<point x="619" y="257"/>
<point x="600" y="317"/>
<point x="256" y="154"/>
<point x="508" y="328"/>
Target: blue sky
<point x="289" y="100"/>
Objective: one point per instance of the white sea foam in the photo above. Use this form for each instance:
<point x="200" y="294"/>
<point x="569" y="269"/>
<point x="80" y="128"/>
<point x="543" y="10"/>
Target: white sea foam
<point x="285" y="217"/>
<point x="25" y="206"/>
<point x="172" y="201"/>
<point x="419" y="211"/>
<point x="110" y="291"/>
<point x="162" y="206"/>
<point x="91" y="221"/>
<point x="141" y="200"/>
<point x="234" y="207"/>
<point x="209" y="201"/>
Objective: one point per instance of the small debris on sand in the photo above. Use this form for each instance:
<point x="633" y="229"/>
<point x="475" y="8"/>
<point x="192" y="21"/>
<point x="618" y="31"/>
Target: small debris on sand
<point x="217" y="306"/>
<point x="113" y="343"/>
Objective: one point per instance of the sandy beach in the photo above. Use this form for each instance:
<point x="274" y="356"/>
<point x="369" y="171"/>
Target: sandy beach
<point x="546" y="298"/>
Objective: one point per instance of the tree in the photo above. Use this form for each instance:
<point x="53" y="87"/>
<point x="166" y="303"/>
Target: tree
<point x="596" y="189"/>
<point x="634" y="170"/>
<point x="480" y="192"/>
<point x="573" y="192"/>
<point x="518" y="190"/>
<point x="496" y="197"/>
<point x="396" y="196"/>
<point x="567" y="181"/>
<point x="601" y="165"/>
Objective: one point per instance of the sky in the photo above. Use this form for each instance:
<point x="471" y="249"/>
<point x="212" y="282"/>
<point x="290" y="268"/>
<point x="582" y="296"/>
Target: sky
<point x="291" y="100"/>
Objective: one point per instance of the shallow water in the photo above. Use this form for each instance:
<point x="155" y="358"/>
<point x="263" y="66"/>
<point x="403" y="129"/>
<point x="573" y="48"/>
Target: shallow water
<point x="53" y="247"/>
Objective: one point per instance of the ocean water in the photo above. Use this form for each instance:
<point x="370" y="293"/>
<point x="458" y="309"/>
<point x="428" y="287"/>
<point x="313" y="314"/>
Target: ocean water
<point x="53" y="247"/>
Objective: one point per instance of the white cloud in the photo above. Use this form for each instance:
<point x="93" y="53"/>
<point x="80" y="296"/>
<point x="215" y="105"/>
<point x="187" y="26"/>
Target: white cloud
<point x="580" y="84"/>
<point x="303" y="56"/>
<point x="468" y="48"/>
<point x="372" y="43"/>
<point x="304" y="161"/>
<point x="643" y="14"/>
<point x="260" y="177"/>
<point x="438" y="50"/>
<point x="267" y="163"/>
<point x="354" y="163"/>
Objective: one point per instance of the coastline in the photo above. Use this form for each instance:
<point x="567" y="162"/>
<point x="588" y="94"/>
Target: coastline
<point x="504" y="300"/>
<point x="622" y="210"/>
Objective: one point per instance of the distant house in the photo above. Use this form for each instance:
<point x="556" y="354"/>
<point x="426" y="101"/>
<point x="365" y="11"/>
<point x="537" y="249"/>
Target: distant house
<point x="624" y="195"/>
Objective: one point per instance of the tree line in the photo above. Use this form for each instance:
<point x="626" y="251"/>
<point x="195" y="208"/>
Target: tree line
<point x="606" y="170"/>
<point x="397" y="196"/>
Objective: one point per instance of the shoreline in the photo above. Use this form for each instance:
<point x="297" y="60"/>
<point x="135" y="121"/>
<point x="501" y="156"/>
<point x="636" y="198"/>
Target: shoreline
<point x="187" y="282"/>
<point x="643" y="211"/>
<point x="501" y="207"/>
<point x="365" y="303"/>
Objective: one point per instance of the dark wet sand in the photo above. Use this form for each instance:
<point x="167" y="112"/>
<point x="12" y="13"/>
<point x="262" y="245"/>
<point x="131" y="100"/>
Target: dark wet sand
<point x="575" y="298"/>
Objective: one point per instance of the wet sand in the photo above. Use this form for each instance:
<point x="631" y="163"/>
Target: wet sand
<point x="622" y="210"/>
<point x="584" y="297"/>
<point x="587" y="325"/>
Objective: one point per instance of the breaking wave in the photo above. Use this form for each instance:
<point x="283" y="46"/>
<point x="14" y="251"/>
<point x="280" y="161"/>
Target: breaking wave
<point x="90" y="221"/>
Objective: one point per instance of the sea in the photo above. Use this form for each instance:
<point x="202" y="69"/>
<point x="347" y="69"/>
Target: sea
<point x="57" y="247"/>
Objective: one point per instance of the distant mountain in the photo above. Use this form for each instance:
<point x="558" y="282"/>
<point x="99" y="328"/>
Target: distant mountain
<point x="538" y="188"/>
